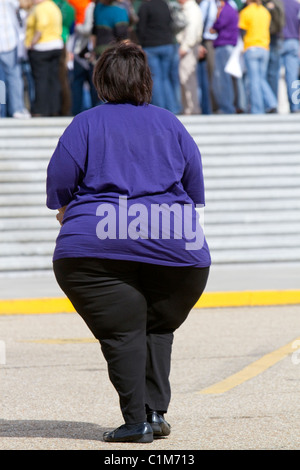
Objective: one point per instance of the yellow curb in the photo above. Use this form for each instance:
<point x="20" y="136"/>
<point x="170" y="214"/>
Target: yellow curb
<point x="248" y="298"/>
<point x="208" y="300"/>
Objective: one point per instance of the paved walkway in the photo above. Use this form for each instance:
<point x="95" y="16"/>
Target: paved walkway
<point x="235" y="374"/>
<point x="55" y="393"/>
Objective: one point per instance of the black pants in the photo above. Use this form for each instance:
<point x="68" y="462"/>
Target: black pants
<point x="45" y="72"/>
<point x="133" y="310"/>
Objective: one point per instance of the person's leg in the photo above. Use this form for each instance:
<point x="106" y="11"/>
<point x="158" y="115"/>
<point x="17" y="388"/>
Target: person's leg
<point x="39" y="61"/>
<point x="222" y="81"/>
<point x="252" y="58"/>
<point x="166" y="60"/>
<point x="106" y="295"/>
<point x="65" y="108"/>
<point x="2" y="92"/>
<point x="171" y="293"/>
<point x="94" y="95"/>
<point x="174" y="77"/>
<point x="78" y="79"/>
<point x="273" y="70"/>
<point x="205" y="102"/>
<point x="54" y="82"/>
<point x="189" y="82"/>
<point x="291" y="64"/>
<point x="156" y="72"/>
<point x="270" y="100"/>
<point x="14" y="81"/>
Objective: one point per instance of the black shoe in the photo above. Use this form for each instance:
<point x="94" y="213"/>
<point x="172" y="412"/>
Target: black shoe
<point x="159" y="425"/>
<point x="141" y="432"/>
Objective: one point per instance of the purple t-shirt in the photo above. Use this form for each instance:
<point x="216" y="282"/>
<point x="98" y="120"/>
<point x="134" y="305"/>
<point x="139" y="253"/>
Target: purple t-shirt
<point x="131" y="177"/>
<point x="227" y="27"/>
<point x="291" y="30"/>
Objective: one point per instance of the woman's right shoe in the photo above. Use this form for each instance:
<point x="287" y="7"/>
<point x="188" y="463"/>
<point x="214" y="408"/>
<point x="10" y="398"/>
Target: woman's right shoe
<point x="130" y="433"/>
<point x="159" y="425"/>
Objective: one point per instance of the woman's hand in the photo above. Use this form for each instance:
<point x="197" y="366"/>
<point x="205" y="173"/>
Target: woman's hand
<point x="60" y="214"/>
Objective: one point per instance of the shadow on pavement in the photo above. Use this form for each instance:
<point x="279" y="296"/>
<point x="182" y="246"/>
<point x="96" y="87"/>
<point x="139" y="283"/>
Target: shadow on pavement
<point x="51" y="429"/>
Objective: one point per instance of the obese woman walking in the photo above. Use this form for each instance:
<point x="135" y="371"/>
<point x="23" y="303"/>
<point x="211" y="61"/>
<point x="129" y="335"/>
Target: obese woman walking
<point x="131" y="256"/>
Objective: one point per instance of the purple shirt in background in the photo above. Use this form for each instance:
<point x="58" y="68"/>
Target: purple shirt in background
<point x="114" y="159"/>
<point x="291" y="29"/>
<point x="227" y="27"/>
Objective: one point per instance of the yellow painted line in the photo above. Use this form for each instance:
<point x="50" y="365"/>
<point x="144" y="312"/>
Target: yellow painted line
<point x="35" y="306"/>
<point x="252" y="370"/>
<point x="248" y="298"/>
<point x="208" y="300"/>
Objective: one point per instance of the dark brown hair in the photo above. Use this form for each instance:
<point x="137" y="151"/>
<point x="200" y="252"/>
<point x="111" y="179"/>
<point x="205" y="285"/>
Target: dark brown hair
<point x="122" y="75"/>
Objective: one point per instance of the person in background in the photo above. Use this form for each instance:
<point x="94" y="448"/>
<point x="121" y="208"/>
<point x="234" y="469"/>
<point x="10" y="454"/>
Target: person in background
<point x="254" y="24"/>
<point x="111" y="24"/>
<point x="82" y="50"/>
<point x="132" y="285"/>
<point x="206" y="63"/>
<point x="9" y="60"/>
<point x="45" y="45"/>
<point x="80" y="9"/>
<point x="29" y="91"/>
<point x="2" y="93"/>
<point x="290" y="49"/>
<point x="133" y="18"/>
<point x="68" y="16"/>
<point x="156" y="37"/>
<point x="189" y="40"/>
<point x="226" y="27"/>
<point x="276" y="10"/>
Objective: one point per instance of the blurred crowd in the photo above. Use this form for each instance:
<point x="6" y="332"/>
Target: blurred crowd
<point x="207" y="56"/>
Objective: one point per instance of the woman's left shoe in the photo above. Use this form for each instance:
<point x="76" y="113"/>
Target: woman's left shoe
<point x="141" y="432"/>
<point x="158" y="423"/>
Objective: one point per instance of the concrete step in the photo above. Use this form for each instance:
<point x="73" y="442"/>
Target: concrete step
<point x="261" y="148"/>
<point x="15" y="264"/>
<point x="27" y="223"/>
<point x="27" y="236"/>
<point x="202" y="141"/>
<point x="234" y="229"/>
<point x="257" y="161"/>
<point x="263" y="255"/>
<point x="46" y="247"/>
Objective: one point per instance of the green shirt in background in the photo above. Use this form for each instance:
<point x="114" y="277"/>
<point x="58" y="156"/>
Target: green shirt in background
<point x="68" y="14"/>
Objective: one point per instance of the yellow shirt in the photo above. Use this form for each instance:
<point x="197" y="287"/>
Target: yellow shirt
<point x="255" y="20"/>
<point x="46" y="18"/>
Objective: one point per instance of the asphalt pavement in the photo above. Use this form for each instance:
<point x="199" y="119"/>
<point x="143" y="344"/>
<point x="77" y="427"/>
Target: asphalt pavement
<point x="235" y="375"/>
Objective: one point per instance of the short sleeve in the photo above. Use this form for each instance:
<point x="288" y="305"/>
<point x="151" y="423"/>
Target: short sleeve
<point x="192" y="179"/>
<point x="243" y="21"/>
<point x="63" y="176"/>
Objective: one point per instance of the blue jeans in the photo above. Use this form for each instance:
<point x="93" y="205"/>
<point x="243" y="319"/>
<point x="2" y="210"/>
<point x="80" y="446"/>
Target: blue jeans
<point x="204" y="90"/>
<point x="261" y="95"/>
<point x="2" y="93"/>
<point x="82" y="75"/>
<point x="222" y="81"/>
<point x="160" y="60"/>
<point x="290" y="61"/>
<point x="273" y="72"/>
<point x="14" y="81"/>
